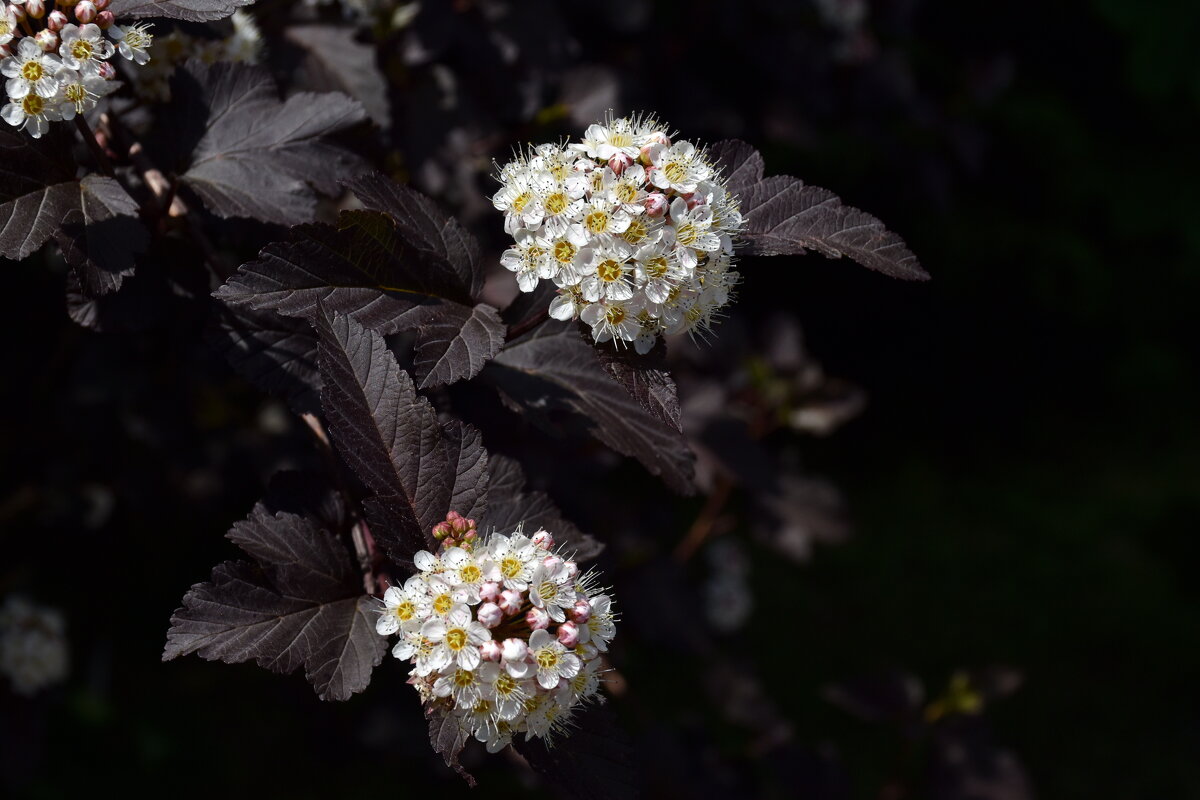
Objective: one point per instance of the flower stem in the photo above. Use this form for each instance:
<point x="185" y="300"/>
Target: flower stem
<point x="85" y="130"/>
<point x="527" y="325"/>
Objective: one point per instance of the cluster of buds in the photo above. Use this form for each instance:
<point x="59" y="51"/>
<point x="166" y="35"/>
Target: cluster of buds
<point x="33" y="645"/>
<point x="503" y="633"/>
<point x="634" y="228"/>
<point x="57" y="68"/>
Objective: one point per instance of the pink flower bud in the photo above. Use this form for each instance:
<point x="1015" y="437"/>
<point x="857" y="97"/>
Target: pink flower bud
<point x="656" y="204"/>
<point x="489" y="591"/>
<point x="514" y="649"/>
<point x="490" y="650"/>
<point x="646" y="155"/>
<point x="107" y="70"/>
<point x="552" y="563"/>
<point x="85" y="11"/>
<point x="101" y="4"/>
<point x="568" y="634"/>
<point x="56" y="20"/>
<point x="105" y="20"/>
<point x="511" y="602"/>
<point x="47" y="40"/>
<point x="490" y="615"/>
<point x="659" y="137"/>
<point x="619" y="162"/>
<point x="572" y="569"/>
<point x="35" y="8"/>
<point x="694" y="199"/>
<point x="537" y="619"/>
<point x="544" y="540"/>
<point x="441" y="531"/>
<point x="581" y="612"/>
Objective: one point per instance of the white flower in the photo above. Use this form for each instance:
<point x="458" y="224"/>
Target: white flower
<point x="30" y="71"/>
<point x="551" y="588"/>
<point x="690" y="230"/>
<point x="568" y="303"/>
<point x="551" y="660"/>
<point x="679" y="167"/>
<point x="133" y="41"/>
<point x="456" y="639"/>
<point x="8" y="24"/>
<point x="33" y="646"/>
<point x="407" y="606"/>
<point x="519" y="200"/>
<point x="609" y="273"/>
<point x="31" y="112"/>
<point x="531" y="259"/>
<point x="600" y="216"/>
<point x="464" y="575"/>
<point x="83" y="48"/>
<point x="658" y="271"/>
<point x="511" y="560"/>
<point x="600" y="624"/>
<point x="245" y="43"/>
<point x="614" y="320"/>
<point x="465" y="685"/>
<point x="506" y="692"/>
<point x="626" y="190"/>
<point x="616" y="136"/>
<point x="552" y="716"/>
<point x="77" y="93"/>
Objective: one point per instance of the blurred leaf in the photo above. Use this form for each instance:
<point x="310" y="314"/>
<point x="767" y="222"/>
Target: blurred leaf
<point x="189" y="10"/>
<point x="510" y="504"/>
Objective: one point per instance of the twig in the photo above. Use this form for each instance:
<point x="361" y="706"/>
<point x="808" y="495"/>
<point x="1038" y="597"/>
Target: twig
<point x="98" y="153"/>
<point x="527" y="325"/>
<point x="703" y="526"/>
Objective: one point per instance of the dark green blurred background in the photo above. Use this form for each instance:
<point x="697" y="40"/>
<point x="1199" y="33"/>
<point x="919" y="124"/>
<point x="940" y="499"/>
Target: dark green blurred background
<point x="1023" y="483"/>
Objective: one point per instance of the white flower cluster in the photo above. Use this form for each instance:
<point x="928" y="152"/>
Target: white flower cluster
<point x="33" y="645"/>
<point x="56" y="68"/>
<point x="635" y="229"/>
<point x="243" y="44"/>
<point x="502" y="632"/>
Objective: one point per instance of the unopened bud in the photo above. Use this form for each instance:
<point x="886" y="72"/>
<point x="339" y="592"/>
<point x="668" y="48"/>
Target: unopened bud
<point x="646" y="155"/>
<point x="105" y="20"/>
<point x="537" y="619"/>
<point x="655" y="204"/>
<point x="47" y="40"/>
<point x="56" y="20"/>
<point x="581" y="612"/>
<point x="85" y="11"/>
<point x="568" y="634"/>
<point x="35" y="8"/>
<point x="441" y="530"/>
<point x="490" y="650"/>
<point x="659" y="137"/>
<point x="489" y="591"/>
<point x="18" y="12"/>
<point x="514" y="650"/>
<point x="619" y="162"/>
<point x="572" y="569"/>
<point x="510" y="601"/>
<point x="695" y="199"/>
<point x="544" y="540"/>
<point x="490" y="615"/>
<point x="552" y="563"/>
<point x="107" y="71"/>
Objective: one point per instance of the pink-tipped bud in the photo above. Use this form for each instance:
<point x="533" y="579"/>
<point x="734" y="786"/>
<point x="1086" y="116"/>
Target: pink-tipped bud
<point x="659" y="137"/>
<point x="695" y="199"/>
<point x="568" y="634"/>
<point x="469" y="535"/>
<point x="655" y="204"/>
<point x="510" y="602"/>
<point x="107" y="71"/>
<point x="105" y="20"/>
<point x="581" y="612"/>
<point x="572" y="569"/>
<point x="544" y="540"/>
<point x="441" y="530"/>
<point x="56" y="20"/>
<point x="489" y="591"/>
<point x="646" y="155"/>
<point x="552" y="563"/>
<point x="47" y="40"/>
<point x="490" y="615"/>
<point x="490" y="650"/>
<point x="35" y="8"/>
<point x="619" y="162"/>
<point x="85" y="11"/>
<point x="101" y="4"/>
<point x="514" y="650"/>
<point x="537" y="619"/>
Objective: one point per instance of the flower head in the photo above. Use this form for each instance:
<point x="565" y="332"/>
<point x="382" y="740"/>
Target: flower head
<point x="629" y="225"/>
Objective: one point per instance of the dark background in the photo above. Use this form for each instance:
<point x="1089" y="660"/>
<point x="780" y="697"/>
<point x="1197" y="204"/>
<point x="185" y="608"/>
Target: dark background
<point x="1022" y="484"/>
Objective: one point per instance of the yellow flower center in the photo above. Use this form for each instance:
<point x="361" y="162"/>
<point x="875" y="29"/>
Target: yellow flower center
<point x="686" y="234"/>
<point x="81" y="50"/>
<point x="620" y="139"/>
<point x="608" y="270"/>
<point x="505" y="685"/>
<point x="615" y="315"/>
<point x="556" y="203"/>
<point x="559" y="171"/>
<point x="484" y="706"/>
<point x="656" y="267"/>
<point x="565" y="253"/>
<point x="597" y="221"/>
<point x="456" y="639"/>
<point x="443" y="603"/>
<point x="509" y="566"/>
<point x="406" y="610"/>
<point x="626" y="192"/>
<point x="546" y="658"/>
<point x="464" y="678"/>
<point x="33" y="71"/>
<point x="470" y="573"/>
<point x="32" y="105"/>
<point x="548" y="589"/>
<point x="521" y="201"/>
<point x="675" y="171"/>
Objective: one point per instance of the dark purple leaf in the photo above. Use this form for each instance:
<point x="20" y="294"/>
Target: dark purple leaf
<point x="448" y="738"/>
<point x="259" y="157"/>
<point x="101" y="238"/>
<point x="645" y="377"/>
<point x="553" y="367"/>
<point x="334" y="60"/>
<point x="390" y="436"/>
<point x="301" y="605"/>
<point x="277" y="354"/>
<point x="785" y="217"/>
<point x="510" y="504"/>
<point x="454" y="342"/>
<point x="189" y="10"/>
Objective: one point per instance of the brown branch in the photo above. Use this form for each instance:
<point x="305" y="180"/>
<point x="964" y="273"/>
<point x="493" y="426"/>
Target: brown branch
<point x="703" y="527"/>
<point x="85" y="130"/>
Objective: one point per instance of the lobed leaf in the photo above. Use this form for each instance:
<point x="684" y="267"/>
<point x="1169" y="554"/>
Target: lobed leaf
<point x="454" y="342"/>
<point x="645" y="377"/>
<point x="260" y="157"/>
<point x="784" y="216"/>
<point x="390" y="436"/>
<point x="552" y="367"/>
<point x="301" y="605"/>
<point x="103" y="236"/>
<point x="448" y="737"/>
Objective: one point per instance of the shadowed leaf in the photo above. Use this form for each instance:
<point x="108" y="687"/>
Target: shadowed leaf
<point x="511" y="504"/>
<point x="448" y="738"/>
<point x="595" y="762"/>
<point x="277" y="354"/>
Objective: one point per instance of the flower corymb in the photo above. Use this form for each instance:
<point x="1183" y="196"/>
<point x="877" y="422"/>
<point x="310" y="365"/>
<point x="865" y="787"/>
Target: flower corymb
<point x="634" y="228"/>
<point x="501" y="632"/>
